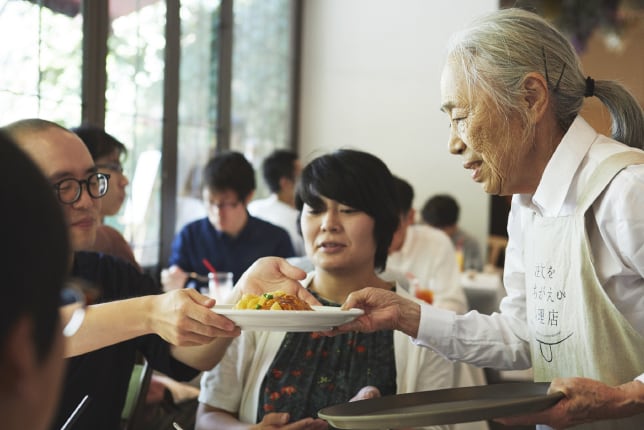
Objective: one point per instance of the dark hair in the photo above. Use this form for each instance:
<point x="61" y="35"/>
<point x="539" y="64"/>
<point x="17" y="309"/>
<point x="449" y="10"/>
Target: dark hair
<point x="404" y="195"/>
<point x="36" y="247"/>
<point x="230" y="171"/>
<point x="357" y="179"/>
<point x="279" y="164"/>
<point x="99" y="143"/>
<point x="440" y="211"/>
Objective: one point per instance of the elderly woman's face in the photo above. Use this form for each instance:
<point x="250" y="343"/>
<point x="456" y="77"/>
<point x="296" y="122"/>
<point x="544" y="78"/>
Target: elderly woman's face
<point x="488" y="143"/>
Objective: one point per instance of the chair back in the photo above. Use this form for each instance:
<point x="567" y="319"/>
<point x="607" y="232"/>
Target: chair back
<point x="132" y="412"/>
<point x="495" y="247"/>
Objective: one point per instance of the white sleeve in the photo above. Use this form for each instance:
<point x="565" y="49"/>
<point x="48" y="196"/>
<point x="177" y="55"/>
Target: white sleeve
<point x="499" y="340"/>
<point x="222" y="386"/>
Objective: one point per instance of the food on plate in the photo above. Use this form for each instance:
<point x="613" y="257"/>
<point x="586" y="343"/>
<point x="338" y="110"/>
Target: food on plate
<point x="273" y="301"/>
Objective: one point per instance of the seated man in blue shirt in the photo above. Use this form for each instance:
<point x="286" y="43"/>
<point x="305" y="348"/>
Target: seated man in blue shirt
<point x="228" y="238"/>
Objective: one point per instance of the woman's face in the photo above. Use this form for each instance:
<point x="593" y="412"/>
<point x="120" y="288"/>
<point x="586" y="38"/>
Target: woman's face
<point x="113" y="200"/>
<point x="338" y="237"/>
<point x="490" y="145"/>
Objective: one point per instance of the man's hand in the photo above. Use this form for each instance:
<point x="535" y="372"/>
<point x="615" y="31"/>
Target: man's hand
<point x="184" y="318"/>
<point x="383" y="310"/>
<point x="270" y="274"/>
<point x="585" y="400"/>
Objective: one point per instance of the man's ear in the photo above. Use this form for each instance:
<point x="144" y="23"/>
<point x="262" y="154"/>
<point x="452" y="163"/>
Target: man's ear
<point x="536" y="95"/>
<point x="18" y="363"/>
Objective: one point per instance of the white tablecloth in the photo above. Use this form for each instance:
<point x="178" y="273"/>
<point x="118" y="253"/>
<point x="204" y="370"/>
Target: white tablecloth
<point x="484" y="291"/>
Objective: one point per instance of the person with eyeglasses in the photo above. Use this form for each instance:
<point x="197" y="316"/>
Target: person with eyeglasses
<point x="107" y="152"/>
<point x="228" y="238"/>
<point x="177" y="331"/>
<point x="34" y="271"/>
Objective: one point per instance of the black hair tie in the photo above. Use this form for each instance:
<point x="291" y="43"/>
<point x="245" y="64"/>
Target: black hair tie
<point x="590" y="87"/>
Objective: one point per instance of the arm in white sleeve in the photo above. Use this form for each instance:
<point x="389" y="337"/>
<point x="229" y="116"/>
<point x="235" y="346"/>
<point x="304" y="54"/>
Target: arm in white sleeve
<point x="499" y="340"/>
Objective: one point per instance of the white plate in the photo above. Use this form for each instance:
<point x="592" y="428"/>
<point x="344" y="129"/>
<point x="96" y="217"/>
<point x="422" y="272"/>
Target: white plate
<point x="440" y="407"/>
<point x="321" y="318"/>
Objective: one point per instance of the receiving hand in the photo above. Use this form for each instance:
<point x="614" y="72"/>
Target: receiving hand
<point x="585" y="400"/>
<point x="383" y="310"/>
<point x="184" y="318"/>
<point x="270" y="274"/>
<point x="279" y="420"/>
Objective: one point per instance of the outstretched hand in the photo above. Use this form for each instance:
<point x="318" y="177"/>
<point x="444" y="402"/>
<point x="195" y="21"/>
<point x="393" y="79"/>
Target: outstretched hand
<point x="184" y="318"/>
<point x="270" y="274"/>
<point x="383" y="310"/>
<point x="585" y="400"/>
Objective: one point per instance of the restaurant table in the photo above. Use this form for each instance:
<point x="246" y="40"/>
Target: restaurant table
<point x="483" y="290"/>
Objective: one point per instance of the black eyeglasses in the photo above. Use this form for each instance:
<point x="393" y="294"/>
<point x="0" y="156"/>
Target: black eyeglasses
<point x="69" y="190"/>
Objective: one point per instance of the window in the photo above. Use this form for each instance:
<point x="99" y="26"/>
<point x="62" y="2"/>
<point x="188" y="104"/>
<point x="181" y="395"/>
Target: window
<point x="261" y="77"/>
<point x="249" y="59"/>
<point x="40" y="72"/>
<point x="134" y="115"/>
<point x="198" y="103"/>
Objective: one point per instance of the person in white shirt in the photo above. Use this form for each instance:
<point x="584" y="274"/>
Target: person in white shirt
<point x="425" y="255"/>
<point x="442" y="212"/>
<point x="280" y="170"/>
<point x="513" y="88"/>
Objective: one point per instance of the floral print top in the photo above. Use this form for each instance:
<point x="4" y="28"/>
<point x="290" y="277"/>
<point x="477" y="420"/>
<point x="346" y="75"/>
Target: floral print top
<point x="311" y="371"/>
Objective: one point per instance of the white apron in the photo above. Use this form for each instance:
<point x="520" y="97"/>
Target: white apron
<point x="575" y="328"/>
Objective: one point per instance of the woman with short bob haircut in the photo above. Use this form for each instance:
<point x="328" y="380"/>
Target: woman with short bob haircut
<point x="348" y="215"/>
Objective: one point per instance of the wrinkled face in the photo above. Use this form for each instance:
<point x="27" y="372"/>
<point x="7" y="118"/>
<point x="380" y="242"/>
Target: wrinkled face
<point x="113" y="200"/>
<point x="61" y="155"/>
<point x="225" y="211"/>
<point x="490" y="145"/>
<point x="338" y="237"/>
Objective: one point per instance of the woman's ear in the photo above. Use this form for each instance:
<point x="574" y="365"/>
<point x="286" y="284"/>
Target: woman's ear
<point x="536" y="95"/>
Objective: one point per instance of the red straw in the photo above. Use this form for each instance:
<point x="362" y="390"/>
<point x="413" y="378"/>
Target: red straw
<point x="209" y="266"/>
<point x="211" y="269"/>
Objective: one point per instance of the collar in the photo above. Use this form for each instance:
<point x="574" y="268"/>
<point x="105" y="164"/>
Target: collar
<point x="560" y="172"/>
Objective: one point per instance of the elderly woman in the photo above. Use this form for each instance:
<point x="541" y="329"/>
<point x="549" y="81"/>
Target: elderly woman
<point x="512" y="87"/>
<point x="348" y="217"/>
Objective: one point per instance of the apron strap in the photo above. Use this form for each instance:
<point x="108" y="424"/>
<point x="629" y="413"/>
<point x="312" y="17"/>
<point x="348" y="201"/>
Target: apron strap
<point x="604" y="173"/>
